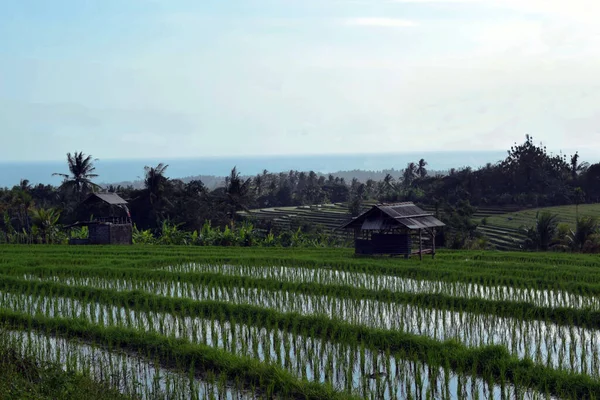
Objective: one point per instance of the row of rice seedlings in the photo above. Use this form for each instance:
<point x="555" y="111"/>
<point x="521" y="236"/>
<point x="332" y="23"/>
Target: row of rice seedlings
<point x="328" y="276"/>
<point x="571" y="280"/>
<point x="561" y="316"/>
<point x="547" y="267"/>
<point x="135" y="376"/>
<point x="467" y="268"/>
<point x="567" y="347"/>
<point x="528" y="259"/>
<point x="355" y="369"/>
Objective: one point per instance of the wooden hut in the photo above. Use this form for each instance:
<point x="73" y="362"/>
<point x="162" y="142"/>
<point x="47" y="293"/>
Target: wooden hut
<point x="111" y="223"/>
<point x="393" y="228"/>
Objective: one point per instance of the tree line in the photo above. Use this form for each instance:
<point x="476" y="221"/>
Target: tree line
<point x="529" y="176"/>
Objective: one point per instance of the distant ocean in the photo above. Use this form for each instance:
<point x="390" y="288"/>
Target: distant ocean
<point x="113" y="171"/>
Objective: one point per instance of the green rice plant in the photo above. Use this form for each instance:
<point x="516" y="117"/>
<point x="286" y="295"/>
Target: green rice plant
<point x="518" y="322"/>
<point x="215" y="286"/>
<point x="211" y="328"/>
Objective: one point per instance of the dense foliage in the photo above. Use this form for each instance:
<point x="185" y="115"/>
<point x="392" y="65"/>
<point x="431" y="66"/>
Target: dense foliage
<point x="528" y="177"/>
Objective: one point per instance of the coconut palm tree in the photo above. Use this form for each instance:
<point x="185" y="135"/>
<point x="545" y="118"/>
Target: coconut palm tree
<point x="81" y="173"/>
<point x="421" y="170"/>
<point x="386" y="187"/>
<point x="152" y="201"/>
<point x="577" y="167"/>
<point x="541" y="235"/>
<point x="585" y="226"/>
<point x="409" y="174"/>
<point x="25" y="185"/>
<point x="155" y="182"/>
<point x="259" y="182"/>
<point x="237" y="194"/>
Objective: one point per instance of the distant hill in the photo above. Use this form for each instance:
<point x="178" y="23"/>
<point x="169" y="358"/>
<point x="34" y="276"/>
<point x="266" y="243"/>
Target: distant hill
<point x="212" y="181"/>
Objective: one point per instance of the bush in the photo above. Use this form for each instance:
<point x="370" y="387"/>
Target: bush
<point x="592" y="244"/>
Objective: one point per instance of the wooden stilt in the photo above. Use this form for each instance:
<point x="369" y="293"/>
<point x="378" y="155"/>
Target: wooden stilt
<point x="432" y="242"/>
<point x="420" y="244"/>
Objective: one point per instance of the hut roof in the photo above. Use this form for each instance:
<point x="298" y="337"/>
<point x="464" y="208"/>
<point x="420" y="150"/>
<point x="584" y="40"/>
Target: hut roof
<point x="109" y="198"/>
<point x="390" y="216"/>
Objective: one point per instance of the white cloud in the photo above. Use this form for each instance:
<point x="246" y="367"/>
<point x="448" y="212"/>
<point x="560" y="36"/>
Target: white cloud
<point x="580" y="10"/>
<point x="436" y="1"/>
<point x="381" y="22"/>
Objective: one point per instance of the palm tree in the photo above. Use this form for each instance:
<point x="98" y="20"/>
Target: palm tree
<point x="155" y="182"/>
<point x="237" y="193"/>
<point x="541" y="235"/>
<point x="421" y="171"/>
<point x="576" y="167"/>
<point x="81" y="173"/>
<point x="388" y="181"/>
<point x="153" y="199"/>
<point x="410" y="172"/>
<point x="25" y="185"/>
<point x="386" y="186"/>
<point x="258" y="184"/>
<point x="584" y="227"/>
<point x="578" y="198"/>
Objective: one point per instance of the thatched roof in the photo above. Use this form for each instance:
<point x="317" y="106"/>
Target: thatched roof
<point x="393" y="216"/>
<point x="110" y="198"/>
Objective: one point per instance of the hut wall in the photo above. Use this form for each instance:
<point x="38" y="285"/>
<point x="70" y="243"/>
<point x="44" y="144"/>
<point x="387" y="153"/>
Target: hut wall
<point x="99" y="234"/>
<point x="121" y="234"/>
<point x="363" y="246"/>
<point x="384" y="244"/>
<point x="391" y="244"/>
<point x="110" y="234"/>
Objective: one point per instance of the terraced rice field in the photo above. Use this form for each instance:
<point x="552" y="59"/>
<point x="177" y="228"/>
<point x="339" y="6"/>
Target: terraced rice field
<point x="502" y="238"/>
<point x="331" y="216"/>
<point x="503" y="229"/>
<point x="566" y="214"/>
<point x="328" y="216"/>
<point x="181" y="323"/>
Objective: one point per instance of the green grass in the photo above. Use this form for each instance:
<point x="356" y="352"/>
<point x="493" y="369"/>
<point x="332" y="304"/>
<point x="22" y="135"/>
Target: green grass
<point x="24" y="378"/>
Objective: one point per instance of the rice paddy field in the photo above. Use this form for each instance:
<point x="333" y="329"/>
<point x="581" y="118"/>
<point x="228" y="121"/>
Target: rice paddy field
<point x="246" y="323"/>
<point x="503" y="228"/>
<point x="566" y="214"/>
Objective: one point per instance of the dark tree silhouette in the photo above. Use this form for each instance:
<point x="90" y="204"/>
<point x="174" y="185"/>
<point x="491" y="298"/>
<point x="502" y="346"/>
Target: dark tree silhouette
<point x="237" y="194"/>
<point x="577" y="167"/>
<point x="81" y="172"/>
<point x="409" y="174"/>
<point x="155" y="182"/>
<point x="421" y="170"/>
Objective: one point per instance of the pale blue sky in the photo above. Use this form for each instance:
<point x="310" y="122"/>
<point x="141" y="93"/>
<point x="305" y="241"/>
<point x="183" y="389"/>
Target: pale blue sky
<point x="169" y="78"/>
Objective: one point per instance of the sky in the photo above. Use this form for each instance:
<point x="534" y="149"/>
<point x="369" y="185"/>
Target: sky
<point x="187" y="78"/>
